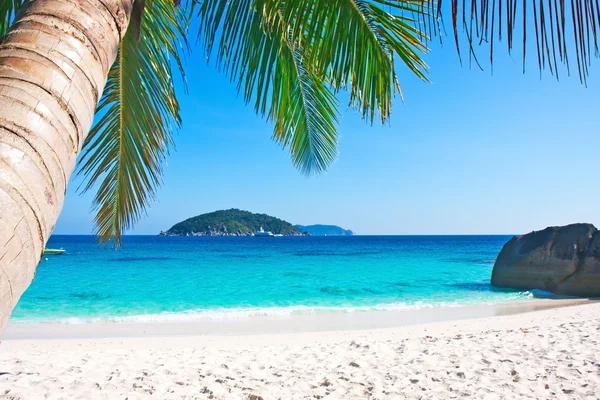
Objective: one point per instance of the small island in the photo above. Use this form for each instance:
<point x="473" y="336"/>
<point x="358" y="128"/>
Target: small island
<point x="233" y="222"/>
<point x="325" y="230"/>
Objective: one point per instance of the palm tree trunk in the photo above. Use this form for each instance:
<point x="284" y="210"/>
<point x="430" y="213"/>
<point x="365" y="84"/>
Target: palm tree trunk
<point x="54" y="63"/>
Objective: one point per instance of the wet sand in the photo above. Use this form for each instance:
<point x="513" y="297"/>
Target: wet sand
<point x="290" y="324"/>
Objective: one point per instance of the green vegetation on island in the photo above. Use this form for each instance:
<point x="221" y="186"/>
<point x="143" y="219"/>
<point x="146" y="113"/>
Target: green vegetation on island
<point x="325" y="230"/>
<point x="232" y="222"/>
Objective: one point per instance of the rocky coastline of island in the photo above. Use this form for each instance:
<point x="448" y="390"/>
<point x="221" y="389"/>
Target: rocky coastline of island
<point x="236" y="222"/>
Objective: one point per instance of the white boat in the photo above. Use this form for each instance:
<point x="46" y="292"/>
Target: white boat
<point x="48" y="251"/>
<point x="262" y="233"/>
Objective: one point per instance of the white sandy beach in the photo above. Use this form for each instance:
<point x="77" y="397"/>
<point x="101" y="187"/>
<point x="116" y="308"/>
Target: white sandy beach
<point x="553" y="353"/>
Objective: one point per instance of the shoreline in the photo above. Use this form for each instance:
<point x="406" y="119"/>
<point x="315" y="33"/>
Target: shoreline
<point x="296" y="323"/>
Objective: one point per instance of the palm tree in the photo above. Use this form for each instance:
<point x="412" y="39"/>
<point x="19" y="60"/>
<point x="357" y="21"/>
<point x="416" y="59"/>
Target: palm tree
<point x="54" y="64"/>
<point x="290" y="58"/>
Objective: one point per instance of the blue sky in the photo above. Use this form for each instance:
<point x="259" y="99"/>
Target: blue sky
<point x="470" y="153"/>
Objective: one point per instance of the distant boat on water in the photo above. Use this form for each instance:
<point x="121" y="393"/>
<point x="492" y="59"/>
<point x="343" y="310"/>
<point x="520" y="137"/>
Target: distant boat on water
<point x="54" y="252"/>
<point x="262" y="233"/>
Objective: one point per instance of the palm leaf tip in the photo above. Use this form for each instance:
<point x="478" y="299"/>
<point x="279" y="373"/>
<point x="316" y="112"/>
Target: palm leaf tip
<point x="307" y="117"/>
<point x="290" y="59"/>
<point x="549" y="26"/>
<point x="8" y="11"/>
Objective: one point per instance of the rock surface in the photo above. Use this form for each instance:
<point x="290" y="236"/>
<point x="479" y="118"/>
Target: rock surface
<point x="563" y="260"/>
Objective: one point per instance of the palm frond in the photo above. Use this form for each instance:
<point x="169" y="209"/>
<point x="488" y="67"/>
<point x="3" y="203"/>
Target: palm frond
<point x="8" y="10"/>
<point x="354" y="44"/>
<point x="549" y="25"/>
<point x="305" y="110"/>
<point x="290" y="57"/>
<point x="124" y="152"/>
<point x="268" y="66"/>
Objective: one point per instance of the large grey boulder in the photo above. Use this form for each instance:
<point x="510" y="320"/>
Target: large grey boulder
<point x="563" y="260"/>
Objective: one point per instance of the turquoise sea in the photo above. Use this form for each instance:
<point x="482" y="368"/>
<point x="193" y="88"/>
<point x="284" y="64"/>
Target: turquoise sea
<point x="154" y="278"/>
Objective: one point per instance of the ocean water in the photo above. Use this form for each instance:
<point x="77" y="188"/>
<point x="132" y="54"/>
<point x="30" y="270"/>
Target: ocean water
<point x="155" y="278"/>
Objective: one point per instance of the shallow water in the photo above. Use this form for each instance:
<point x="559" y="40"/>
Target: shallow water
<point x="179" y="278"/>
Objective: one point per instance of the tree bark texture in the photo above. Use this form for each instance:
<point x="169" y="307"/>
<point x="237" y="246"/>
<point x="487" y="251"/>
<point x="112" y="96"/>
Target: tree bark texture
<point x="54" y="62"/>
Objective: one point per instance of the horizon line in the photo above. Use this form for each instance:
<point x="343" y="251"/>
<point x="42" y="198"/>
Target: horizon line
<point x="373" y="234"/>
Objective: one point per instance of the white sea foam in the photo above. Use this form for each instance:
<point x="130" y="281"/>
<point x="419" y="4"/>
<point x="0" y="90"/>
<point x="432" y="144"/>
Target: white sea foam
<point x="237" y="313"/>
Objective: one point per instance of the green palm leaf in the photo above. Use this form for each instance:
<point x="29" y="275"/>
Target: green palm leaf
<point x="305" y="110"/>
<point x="8" y="9"/>
<point x="260" y="55"/>
<point x="354" y="44"/>
<point x="290" y="57"/>
<point x="124" y="152"/>
<point x="562" y="32"/>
